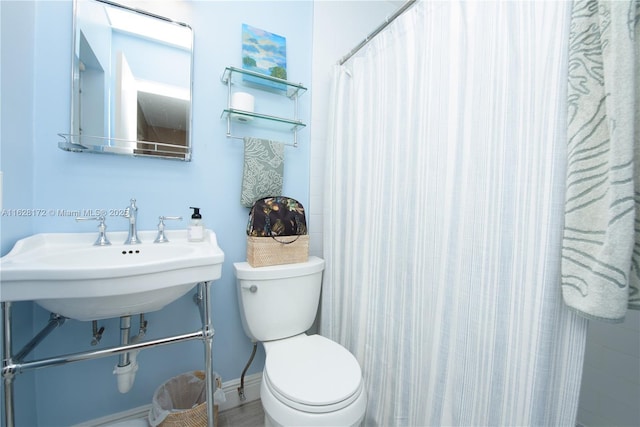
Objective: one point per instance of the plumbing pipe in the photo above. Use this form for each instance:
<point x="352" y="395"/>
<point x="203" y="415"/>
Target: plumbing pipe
<point x="126" y="374"/>
<point x="133" y="355"/>
<point x="143" y="325"/>
<point x="125" y="329"/>
<point x="97" y="333"/>
<point x="244" y="372"/>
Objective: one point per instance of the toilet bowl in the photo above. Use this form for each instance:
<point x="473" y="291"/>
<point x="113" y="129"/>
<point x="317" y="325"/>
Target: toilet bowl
<point x="311" y="381"/>
<point x="308" y="380"/>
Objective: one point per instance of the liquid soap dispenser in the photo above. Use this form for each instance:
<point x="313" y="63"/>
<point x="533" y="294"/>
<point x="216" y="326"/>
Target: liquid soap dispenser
<point x="195" y="232"/>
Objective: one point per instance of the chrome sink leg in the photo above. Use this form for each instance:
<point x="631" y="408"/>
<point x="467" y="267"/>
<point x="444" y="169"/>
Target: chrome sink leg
<point x="12" y="365"/>
<point x="207" y="335"/>
<point x="8" y="371"/>
<point x="55" y="320"/>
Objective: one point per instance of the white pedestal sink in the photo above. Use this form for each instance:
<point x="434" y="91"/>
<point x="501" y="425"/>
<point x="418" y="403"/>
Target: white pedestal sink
<point x="67" y="275"/>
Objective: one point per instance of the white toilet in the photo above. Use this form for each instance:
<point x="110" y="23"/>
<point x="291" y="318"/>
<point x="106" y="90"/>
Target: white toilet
<point x="308" y="380"/>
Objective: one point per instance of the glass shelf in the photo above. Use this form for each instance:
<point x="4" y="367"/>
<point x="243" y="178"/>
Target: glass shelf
<point x="238" y="76"/>
<point x="250" y="79"/>
<point x="96" y="144"/>
<point x="264" y="120"/>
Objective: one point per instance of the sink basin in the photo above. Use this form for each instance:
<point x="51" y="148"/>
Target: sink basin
<point x="67" y="275"/>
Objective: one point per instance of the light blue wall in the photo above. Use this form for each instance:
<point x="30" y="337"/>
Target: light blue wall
<point x="17" y="40"/>
<point x="35" y="107"/>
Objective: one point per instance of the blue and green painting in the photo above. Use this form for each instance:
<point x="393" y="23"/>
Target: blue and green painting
<point x="264" y="53"/>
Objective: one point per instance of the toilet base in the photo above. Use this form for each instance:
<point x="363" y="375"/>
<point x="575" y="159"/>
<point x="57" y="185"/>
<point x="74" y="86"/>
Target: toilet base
<point x="277" y="414"/>
<point x="269" y="422"/>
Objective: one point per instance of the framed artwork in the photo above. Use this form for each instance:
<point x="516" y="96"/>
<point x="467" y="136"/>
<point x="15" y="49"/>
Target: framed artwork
<point x="265" y="53"/>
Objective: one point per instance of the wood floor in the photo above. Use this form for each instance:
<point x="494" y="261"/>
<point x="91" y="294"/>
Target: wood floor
<point x="247" y="415"/>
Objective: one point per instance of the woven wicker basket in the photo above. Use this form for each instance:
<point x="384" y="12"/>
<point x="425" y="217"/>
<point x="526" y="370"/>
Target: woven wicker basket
<point x="194" y="417"/>
<point x="264" y="251"/>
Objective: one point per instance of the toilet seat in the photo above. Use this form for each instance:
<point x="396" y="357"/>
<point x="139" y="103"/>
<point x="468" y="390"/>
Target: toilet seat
<point x="312" y="374"/>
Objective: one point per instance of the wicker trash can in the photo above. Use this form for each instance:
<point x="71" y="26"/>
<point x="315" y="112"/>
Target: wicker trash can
<point x="181" y="401"/>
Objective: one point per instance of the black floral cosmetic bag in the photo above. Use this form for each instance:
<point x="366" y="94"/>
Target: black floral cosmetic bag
<point x="276" y="216"/>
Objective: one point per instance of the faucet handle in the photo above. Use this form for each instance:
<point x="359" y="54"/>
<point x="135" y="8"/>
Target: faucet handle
<point x="102" y="228"/>
<point x="161" y="237"/>
<point x="90" y="218"/>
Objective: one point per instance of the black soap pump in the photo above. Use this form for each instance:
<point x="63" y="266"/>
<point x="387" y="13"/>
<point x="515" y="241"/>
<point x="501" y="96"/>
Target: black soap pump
<point x="195" y="231"/>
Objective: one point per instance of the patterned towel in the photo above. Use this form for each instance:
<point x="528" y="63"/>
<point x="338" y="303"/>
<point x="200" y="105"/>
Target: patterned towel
<point x="600" y="267"/>
<point x="263" y="170"/>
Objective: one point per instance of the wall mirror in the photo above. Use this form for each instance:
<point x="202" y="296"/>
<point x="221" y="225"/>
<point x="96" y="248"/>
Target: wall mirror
<point x="131" y="83"/>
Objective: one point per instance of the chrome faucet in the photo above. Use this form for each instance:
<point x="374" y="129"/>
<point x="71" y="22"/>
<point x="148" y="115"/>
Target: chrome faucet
<point x="131" y="212"/>
<point x="102" y="228"/>
<point x="161" y="237"/>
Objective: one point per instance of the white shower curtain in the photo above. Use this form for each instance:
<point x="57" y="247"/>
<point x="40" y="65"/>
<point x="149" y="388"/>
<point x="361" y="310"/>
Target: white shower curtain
<point x="443" y="218"/>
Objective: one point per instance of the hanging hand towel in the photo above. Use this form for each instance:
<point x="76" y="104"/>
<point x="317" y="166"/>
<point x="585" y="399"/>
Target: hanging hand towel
<point x="263" y="170"/>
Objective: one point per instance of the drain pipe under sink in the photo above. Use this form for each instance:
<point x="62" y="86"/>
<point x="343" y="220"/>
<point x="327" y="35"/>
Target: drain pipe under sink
<point x="127" y="366"/>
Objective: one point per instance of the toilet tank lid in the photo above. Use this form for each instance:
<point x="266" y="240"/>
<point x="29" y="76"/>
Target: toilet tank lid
<point x="244" y="271"/>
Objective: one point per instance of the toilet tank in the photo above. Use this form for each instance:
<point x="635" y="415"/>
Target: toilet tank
<point x="278" y="301"/>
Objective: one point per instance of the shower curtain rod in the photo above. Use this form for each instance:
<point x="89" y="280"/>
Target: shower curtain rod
<point x="375" y="32"/>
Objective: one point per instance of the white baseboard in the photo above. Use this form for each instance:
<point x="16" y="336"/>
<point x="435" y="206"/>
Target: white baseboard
<point x="138" y="413"/>
<point x="230" y="389"/>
